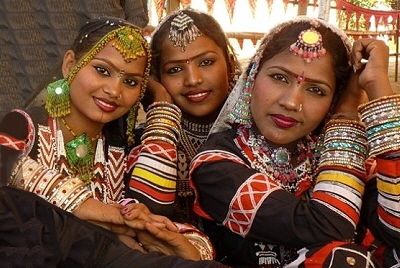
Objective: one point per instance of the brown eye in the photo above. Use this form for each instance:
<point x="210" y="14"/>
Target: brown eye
<point x="102" y="71"/>
<point x="317" y="91"/>
<point x="279" y="77"/>
<point x="131" y="82"/>
<point x="207" y="62"/>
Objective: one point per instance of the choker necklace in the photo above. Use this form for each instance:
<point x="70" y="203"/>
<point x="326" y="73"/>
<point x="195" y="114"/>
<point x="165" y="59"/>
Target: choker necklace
<point x="277" y="161"/>
<point x="193" y="136"/>
<point x="80" y="153"/>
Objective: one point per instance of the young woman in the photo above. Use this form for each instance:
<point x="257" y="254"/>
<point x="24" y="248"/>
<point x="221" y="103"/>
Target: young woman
<point x="195" y="68"/>
<point x="284" y="200"/>
<point x="74" y="153"/>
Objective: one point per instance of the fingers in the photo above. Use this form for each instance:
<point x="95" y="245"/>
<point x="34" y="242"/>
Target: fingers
<point x="142" y="213"/>
<point x="131" y="242"/>
<point x="94" y="210"/>
<point x="172" y="238"/>
<point x="369" y="49"/>
<point x="157" y="219"/>
<point x="159" y="92"/>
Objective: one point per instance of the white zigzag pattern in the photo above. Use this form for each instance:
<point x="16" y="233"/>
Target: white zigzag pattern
<point x="116" y="168"/>
<point x="46" y="153"/>
<point x="248" y="210"/>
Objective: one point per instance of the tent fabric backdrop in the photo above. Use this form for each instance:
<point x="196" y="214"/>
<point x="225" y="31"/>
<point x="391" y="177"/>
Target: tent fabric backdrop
<point x="34" y="34"/>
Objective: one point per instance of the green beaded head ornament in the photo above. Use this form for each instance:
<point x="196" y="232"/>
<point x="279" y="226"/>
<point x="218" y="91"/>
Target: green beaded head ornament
<point x="126" y="39"/>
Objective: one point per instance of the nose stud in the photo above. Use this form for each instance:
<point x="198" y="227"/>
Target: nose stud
<point x="300" y="107"/>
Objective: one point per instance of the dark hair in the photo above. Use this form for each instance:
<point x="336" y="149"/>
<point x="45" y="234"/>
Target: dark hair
<point x="331" y="41"/>
<point x="93" y="30"/>
<point x="207" y="25"/>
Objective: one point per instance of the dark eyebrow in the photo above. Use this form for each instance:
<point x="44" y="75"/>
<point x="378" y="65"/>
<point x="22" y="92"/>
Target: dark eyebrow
<point x="190" y="59"/>
<point x="116" y="68"/>
<point x="317" y="81"/>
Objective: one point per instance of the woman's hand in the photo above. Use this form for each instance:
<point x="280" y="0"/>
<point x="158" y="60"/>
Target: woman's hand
<point x="350" y="99"/>
<point x="138" y="214"/>
<point x="155" y="92"/>
<point x="158" y="233"/>
<point x="373" y="77"/>
<point x="105" y="215"/>
<point x="167" y="242"/>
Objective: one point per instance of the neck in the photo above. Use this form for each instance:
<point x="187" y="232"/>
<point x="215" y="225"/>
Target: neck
<point x="73" y="125"/>
<point x="291" y="147"/>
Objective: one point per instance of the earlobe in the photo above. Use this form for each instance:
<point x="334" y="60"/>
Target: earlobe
<point x="68" y="62"/>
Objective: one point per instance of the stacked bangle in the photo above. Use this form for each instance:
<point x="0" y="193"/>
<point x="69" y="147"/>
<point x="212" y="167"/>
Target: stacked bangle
<point x="162" y="123"/>
<point x="65" y="192"/>
<point x="344" y="145"/>
<point x="382" y="120"/>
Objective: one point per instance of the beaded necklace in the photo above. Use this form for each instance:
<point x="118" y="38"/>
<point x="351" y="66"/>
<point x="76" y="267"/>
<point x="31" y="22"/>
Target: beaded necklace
<point x="276" y="162"/>
<point x="79" y="152"/>
<point x="193" y="136"/>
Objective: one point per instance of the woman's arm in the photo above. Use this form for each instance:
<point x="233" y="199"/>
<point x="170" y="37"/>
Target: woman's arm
<point x="154" y="163"/>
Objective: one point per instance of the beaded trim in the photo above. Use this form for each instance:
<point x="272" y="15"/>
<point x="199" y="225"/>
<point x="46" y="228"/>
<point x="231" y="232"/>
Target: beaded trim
<point x="196" y="127"/>
<point x="183" y="31"/>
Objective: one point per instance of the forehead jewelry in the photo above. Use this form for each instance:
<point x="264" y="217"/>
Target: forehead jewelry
<point x="183" y="31"/>
<point x="127" y="40"/>
<point x="309" y="44"/>
<point x="121" y="73"/>
<point x="300" y="78"/>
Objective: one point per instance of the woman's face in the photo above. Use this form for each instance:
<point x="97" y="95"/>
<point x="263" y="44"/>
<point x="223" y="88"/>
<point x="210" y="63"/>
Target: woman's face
<point x="107" y="87"/>
<point x="197" y="78"/>
<point x="290" y="98"/>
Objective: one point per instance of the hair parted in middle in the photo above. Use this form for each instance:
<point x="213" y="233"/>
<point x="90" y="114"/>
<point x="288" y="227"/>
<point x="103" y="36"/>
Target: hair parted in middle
<point x="199" y="23"/>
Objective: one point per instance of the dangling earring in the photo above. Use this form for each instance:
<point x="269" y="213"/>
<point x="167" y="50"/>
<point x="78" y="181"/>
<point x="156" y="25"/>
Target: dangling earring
<point x="58" y="99"/>
<point x="241" y="111"/>
<point x="130" y="124"/>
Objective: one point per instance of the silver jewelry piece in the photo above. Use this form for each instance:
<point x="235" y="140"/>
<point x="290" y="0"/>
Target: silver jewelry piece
<point x="300" y="107"/>
<point x="183" y="31"/>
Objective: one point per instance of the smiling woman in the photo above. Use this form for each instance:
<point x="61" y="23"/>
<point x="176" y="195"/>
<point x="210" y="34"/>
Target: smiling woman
<point x="194" y="67"/>
<point x="74" y="152"/>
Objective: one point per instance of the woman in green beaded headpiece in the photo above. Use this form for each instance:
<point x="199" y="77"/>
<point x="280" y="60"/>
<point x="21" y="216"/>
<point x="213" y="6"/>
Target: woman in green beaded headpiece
<point x="74" y="154"/>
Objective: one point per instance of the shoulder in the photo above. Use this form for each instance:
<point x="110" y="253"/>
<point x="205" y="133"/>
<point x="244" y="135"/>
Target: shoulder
<point x="20" y="125"/>
<point x="220" y="140"/>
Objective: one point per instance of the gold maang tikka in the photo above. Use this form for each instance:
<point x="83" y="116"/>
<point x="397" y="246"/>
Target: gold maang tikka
<point x="183" y="31"/>
<point x="309" y="44"/>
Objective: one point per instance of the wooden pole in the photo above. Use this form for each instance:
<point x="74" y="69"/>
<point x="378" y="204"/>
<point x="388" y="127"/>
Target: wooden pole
<point x="397" y="45"/>
<point x="172" y="5"/>
<point x="302" y="7"/>
<point x="324" y="8"/>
